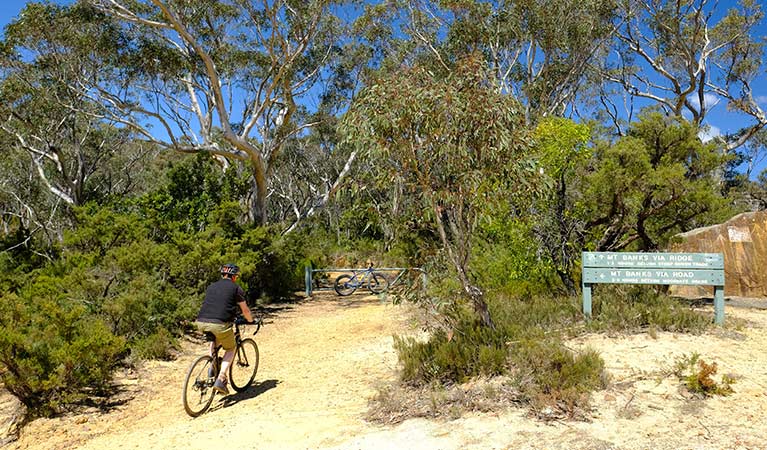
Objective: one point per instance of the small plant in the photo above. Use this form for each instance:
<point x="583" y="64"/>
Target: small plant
<point x="556" y="381"/>
<point x="697" y="376"/>
<point x="641" y="308"/>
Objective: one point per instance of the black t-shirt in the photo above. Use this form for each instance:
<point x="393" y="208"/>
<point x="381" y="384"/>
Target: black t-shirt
<point x="220" y="304"/>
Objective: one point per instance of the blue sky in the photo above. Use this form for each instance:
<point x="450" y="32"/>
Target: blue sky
<point x="719" y="119"/>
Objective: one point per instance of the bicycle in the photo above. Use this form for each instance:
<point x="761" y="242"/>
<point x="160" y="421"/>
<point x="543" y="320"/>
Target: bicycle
<point x="198" y="390"/>
<point x="346" y="284"/>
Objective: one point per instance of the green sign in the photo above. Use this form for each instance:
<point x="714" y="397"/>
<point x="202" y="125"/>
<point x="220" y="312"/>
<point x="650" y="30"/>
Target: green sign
<point x="691" y="277"/>
<point x="691" y="269"/>
<point x="654" y="260"/>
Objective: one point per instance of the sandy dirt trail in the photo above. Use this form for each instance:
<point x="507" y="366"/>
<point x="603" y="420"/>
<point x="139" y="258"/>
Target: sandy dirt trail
<point x="320" y="362"/>
<point x="322" y="359"/>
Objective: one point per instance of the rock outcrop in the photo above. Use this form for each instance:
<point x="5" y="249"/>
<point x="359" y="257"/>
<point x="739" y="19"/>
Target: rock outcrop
<point x="743" y="241"/>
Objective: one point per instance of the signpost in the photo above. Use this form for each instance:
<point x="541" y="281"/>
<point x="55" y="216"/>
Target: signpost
<point x="691" y="269"/>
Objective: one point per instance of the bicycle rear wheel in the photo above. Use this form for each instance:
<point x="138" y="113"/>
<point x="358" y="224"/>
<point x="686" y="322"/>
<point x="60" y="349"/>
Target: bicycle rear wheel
<point x="377" y="283"/>
<point x="198" y="386"/>
<point x="244" y="366"/>
<point x="345" y="285"/>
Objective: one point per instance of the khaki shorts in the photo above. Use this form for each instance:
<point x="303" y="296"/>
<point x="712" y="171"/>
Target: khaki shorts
<point x="224" y="333"/>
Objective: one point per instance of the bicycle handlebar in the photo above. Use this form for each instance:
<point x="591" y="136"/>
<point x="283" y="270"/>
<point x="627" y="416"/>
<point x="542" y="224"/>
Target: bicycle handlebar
<point x="257" y="322"/>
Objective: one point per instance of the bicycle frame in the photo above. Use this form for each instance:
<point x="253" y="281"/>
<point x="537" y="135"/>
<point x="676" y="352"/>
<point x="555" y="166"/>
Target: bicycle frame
<point x="347" y="284"/>
<point x="359" y="281"/>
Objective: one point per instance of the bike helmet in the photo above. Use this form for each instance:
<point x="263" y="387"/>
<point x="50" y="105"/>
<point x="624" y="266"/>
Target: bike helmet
<point x="229" y="269"/>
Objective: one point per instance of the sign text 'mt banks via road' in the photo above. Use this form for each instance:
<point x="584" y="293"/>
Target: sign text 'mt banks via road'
<point x="653" y="276"/>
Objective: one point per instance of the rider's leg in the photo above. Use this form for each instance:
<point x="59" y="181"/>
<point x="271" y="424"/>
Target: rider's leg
<point x="226" y="361"/>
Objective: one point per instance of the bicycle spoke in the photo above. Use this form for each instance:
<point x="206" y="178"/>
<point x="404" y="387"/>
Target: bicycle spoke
<point x="198" y="394"/>
<point x="244" y="366"/>
<point x="345" y="285"/>
<point x="378" y="283"/>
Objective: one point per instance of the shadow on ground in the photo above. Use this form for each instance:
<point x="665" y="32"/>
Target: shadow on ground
<point x="253" y="391"/>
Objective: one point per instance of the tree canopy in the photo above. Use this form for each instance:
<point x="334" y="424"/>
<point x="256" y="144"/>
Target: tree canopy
<point x="457" y="142"/>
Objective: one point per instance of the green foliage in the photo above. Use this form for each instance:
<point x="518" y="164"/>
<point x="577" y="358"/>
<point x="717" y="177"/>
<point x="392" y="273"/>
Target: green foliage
<point x="155" y="346"/>
<point x="563" y="156"/>
<point x="697" y="376"/>
<point x="440" y="133"/>
<point x="127" y="281"/>
<point x="554" y="378"/>
<point x="650" y="185"/>
<point x="561" y="146"/>
<point x="640" y="307"/>
<point x="19" y="255"/>
<point x="453" y="141"/>
<point x="506" y="257"/>
<point x="52" y="352"/>
<point x="196" y="194"/>
<point x="474" y="351"/>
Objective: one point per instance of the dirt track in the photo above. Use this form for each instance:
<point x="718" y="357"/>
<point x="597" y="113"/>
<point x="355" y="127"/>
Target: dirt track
<point x="321" y="361"/>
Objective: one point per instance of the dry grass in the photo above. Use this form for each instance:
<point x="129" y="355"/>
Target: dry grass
<point x="399" y="402"/>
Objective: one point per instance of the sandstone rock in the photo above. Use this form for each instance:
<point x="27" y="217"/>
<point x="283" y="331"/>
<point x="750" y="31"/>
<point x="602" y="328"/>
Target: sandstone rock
<point x="12" y="414"/>
<point x="743" y="241"/>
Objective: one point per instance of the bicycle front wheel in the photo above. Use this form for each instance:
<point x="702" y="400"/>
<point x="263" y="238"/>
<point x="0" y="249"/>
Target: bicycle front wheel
<point x="345" y="285"/>
<point x="244" y="365"/>
<point x="377" y="283"/>
<point x="198" y="386"/>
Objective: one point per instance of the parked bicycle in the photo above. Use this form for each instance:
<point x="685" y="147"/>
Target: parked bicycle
<point x="198" y="385"/>
<point x="346" y="284"/>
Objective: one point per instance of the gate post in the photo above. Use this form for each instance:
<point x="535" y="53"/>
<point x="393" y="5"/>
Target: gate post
<point x="308" y="279"/>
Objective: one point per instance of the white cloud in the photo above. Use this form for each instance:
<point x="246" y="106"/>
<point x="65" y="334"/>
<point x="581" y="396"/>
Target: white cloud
<point x="709" y="99"/>
<point x="761" y="99"/>
<point x="709" y="132"/>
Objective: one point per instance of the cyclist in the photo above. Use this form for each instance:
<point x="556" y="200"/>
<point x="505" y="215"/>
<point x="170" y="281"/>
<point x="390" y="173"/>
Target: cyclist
<point x="217" y="314"/>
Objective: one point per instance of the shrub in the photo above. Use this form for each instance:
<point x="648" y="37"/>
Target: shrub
<point x="554" y="379"/>
<point x="527" y="342"/>
<point x="637" y="307"/>
<point x="506" y="259"/>
<point x="697" y="376"/>
<point x="53" y="353"/>
<point x="273" y="266"/>
<point x="154" y="346"/>
<point x="450" y="360"/>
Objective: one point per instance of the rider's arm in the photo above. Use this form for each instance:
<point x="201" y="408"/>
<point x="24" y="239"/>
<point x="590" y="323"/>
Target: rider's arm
<point x="245" y="311"/>
<point x="243" y="304"/>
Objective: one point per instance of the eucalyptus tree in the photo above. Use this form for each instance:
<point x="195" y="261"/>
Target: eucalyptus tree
<point x="229" y="78"/>
<point x="456" y="143"/>
<point x="537" y="51"/>
<point x="63" y="154"/>
<point x="686" y="56"/>
<point x="308" y="173"/>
